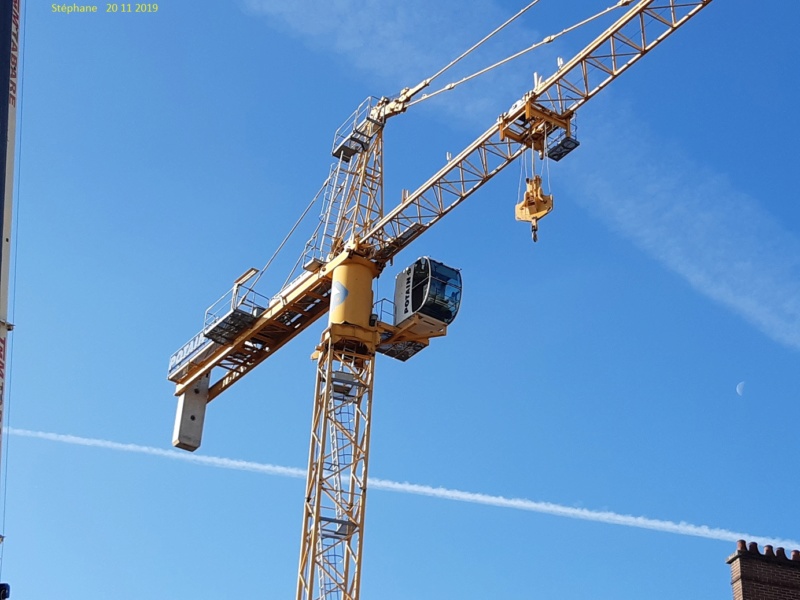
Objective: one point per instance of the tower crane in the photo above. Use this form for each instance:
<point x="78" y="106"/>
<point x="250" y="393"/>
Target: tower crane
<point x="356" y="239"/>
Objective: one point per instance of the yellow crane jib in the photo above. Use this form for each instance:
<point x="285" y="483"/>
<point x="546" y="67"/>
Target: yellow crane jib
<point x="534" y="205"/>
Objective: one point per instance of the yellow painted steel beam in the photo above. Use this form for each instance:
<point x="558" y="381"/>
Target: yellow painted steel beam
<point x="639" y="30"/>
<point x="551" y="103"/>
<point x="298" y="306"/>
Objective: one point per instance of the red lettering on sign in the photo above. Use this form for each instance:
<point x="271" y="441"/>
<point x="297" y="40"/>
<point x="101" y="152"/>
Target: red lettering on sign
<point x="2" y="362"/>
<point x="12" y="88"/>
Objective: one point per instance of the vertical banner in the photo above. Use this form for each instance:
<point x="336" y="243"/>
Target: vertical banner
<point x="9" y="62"/>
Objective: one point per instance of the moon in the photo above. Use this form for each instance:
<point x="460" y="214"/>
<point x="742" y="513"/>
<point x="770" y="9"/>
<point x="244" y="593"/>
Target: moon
<point x="740" y="388"/>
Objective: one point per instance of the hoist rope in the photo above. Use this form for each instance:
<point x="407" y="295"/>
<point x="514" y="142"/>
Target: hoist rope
<point x="523" y="175"/>
<point x="546" y="167"/>
<point x="546" y="40"/>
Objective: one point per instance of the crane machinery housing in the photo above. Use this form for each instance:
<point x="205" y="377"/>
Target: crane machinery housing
<point x="353" y="243"/>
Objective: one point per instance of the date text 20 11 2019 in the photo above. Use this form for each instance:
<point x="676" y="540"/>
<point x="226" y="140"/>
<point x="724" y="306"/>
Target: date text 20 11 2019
<point x="69" y="9"/>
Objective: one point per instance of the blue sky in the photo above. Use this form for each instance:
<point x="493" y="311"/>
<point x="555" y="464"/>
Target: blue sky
<point x="161" y="155"/>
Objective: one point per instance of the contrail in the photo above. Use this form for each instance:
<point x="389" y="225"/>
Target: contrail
<point x="548" y="508"/>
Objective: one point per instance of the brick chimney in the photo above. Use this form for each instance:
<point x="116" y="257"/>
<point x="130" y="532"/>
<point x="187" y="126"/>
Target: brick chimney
<point x="768" y="576"/>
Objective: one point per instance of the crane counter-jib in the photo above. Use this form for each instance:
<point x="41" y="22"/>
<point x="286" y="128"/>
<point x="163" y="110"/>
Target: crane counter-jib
<point x="289" y="313"/>
<point x="199" y="348"/>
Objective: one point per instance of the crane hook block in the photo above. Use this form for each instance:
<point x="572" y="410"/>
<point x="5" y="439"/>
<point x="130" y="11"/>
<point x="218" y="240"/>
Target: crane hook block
<point x="534" y="204"/>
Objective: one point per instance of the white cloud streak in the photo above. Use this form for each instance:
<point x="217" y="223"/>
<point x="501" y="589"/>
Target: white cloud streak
<point x="399" y="44"/>
<point x="548" y="508"/>
<point x="410" y="39"/>
<point x="696" y="223"/>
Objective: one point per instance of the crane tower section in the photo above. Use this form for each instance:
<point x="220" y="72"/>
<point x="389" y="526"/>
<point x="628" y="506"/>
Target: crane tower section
<point x="429" y="293"/>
